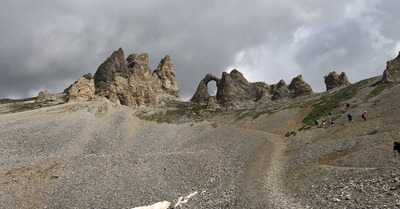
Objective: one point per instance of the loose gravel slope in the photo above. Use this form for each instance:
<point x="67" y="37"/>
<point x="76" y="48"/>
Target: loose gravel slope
<point x="99" y="155"/>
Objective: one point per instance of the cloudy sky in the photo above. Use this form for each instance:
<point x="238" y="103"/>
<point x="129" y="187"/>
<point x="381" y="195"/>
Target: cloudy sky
<point x="49" y="44"/>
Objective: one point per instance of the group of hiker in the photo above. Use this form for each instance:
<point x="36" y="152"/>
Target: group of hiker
<point x="363" y="116"/>
<point x="332" y="120"/>
<point x="396" y="145"/>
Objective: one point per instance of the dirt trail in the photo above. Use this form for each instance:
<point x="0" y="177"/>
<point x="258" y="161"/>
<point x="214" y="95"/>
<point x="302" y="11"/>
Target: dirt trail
<point x="263" y="179"/>
<point x="268" y="182"/>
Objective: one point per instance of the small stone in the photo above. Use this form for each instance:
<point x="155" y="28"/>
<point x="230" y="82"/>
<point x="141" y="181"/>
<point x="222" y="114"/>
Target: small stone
<point x="395" y="186"/>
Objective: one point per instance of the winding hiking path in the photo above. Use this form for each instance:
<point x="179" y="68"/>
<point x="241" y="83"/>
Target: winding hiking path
<point x="262" y="185"/>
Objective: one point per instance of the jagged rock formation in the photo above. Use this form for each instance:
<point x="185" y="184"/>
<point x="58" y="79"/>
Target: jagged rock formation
<point x="234" y="90"/>
<point x="201" y="96"/>
<point x="334" y="80"/>
<point x="280" y="90"/>
<point x="392" y="72"/>
<point x="43" y="96"/>
<point x="299" y="87"/>
<point x="82" y="90"/>
<point x="129" y="82"/>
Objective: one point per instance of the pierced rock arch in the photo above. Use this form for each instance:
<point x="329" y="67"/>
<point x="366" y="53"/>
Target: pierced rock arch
<point x="201" y="96"/>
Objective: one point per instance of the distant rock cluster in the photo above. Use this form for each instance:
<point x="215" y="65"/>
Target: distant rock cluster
<point x="131" y="82"/>
<point x="43" y="96"/>
<point x="234" y="90"/>
<point x="128" y="81"/>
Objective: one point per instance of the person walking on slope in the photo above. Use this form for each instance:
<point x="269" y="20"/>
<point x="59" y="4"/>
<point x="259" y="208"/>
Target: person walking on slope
<point x="350" y="116"/>
<point x="364" y="116"/>
<point x="333" y="122"/>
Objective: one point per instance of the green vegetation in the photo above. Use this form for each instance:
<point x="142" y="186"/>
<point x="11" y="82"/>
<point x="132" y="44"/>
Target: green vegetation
<point x="378" y="90"/>
<point x="29" y="104"/>
<point x="329" y="102"/>
<point x="288" y="134"/>
<point x="178" y="112"/>
<point x="256" y="112"/>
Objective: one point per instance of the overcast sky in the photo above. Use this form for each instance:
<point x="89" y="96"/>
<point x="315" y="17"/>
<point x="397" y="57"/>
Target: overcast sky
<point x="49" y="44"/>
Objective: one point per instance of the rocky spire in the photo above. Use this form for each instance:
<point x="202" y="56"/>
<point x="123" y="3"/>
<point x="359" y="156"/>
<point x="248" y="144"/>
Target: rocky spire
<point x="392" y="72"/>
<point x="299" y="87"/>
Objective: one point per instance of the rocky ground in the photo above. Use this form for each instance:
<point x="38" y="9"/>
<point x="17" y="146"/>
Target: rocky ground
<point x="101" y="155"/>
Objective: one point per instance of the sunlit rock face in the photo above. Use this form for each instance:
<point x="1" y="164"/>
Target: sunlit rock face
<point x="131" y="82"/>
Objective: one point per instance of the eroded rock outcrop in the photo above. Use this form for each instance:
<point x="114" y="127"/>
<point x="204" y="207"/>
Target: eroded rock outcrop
<point x="43" y="96"/>
<point x="130" y="82"/>
<point x="334" y="80"/>
<point x="234" y="90"/>
<point x="392" y="72"/>
<point x="280" y="90"/>
<point x="299" y="87"/>
<point x="201" y="96"/>
<point x="82" y="90"/>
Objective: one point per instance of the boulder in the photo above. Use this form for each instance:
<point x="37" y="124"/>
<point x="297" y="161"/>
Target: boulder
<point x="212" y="103"/>
<point x="130" y="82"/>
<point x="392" y="72"/>
<point x="82" y="90"/>
<point x="43" y="96"/>
<point x="334" y="80"/>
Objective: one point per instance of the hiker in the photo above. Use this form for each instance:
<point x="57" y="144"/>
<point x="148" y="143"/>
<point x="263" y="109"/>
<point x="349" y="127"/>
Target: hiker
<point x="396" y="147"/>
<point x="323" y="123"/>
<point x="350" y="116"/>
<point x="347" y="105"/>
<point x="332" y="122"/>
<point x="364" y="116"/>
<point x="316" y="123"/>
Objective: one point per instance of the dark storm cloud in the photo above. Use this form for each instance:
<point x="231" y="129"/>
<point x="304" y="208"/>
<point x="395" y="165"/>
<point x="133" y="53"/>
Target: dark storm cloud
<point x="50" y="44"/>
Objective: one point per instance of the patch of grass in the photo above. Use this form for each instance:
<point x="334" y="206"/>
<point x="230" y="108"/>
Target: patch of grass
<point x="306" y="127"/>
<point x="378" y="90"/>
<point x="256" y="112"/>
<point x="178" y="112"/>
<point x="29" y="104"/>
<point x="288" y="134"/>
<point x="329" y="102"/>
